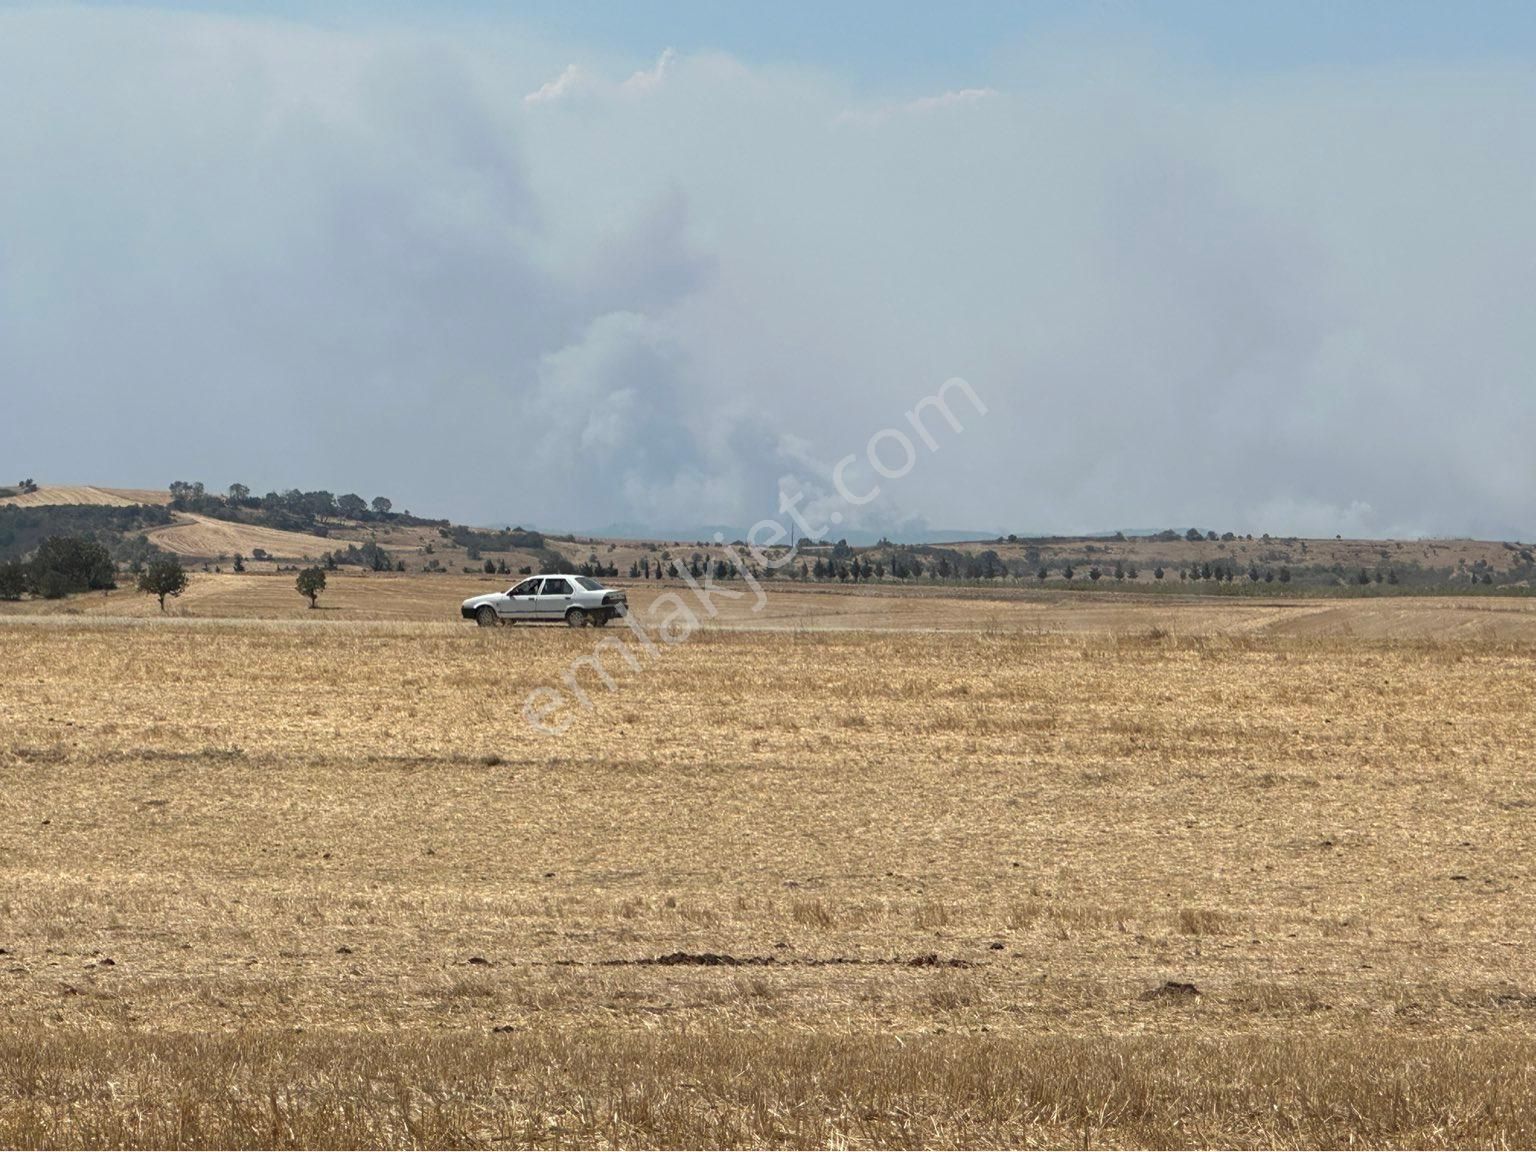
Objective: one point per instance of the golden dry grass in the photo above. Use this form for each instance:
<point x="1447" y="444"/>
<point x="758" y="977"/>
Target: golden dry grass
<point x="349" y="897"/>
<point x="86" y="494"/>
<point x="353" y="596"/>
<point x="194" y="535"/>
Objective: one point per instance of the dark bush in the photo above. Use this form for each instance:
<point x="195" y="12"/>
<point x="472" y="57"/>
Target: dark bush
<point x="13" y="580"/>
<point x="65" y="564"/>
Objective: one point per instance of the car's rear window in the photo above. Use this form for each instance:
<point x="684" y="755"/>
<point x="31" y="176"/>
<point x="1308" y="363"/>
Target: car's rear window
<point x="589" y="584"/>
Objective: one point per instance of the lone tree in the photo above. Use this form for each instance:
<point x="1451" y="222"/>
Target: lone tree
<point x="311" y="583"/>
<point x="164" y="576"/>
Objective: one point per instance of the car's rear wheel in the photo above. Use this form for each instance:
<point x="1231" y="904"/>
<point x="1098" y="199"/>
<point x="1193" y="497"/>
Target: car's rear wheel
<point x="486" y="617"/>
<point x="576" y="618"/>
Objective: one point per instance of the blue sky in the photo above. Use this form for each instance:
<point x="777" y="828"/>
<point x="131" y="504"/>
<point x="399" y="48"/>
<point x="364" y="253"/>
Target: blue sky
<point x="884" y="46"/>
<point x="958" y="43"/>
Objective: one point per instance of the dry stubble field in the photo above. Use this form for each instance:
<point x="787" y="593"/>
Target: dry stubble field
<point x="284" y="882"/>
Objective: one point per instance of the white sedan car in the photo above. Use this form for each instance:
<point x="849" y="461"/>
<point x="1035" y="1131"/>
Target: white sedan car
<point x="578" y="600"/>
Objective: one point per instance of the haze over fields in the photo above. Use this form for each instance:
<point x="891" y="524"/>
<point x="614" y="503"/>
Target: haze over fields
<point x="1270" y="275"/>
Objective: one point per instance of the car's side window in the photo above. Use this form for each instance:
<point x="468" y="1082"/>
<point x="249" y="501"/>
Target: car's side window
<point x="557" y="588"/>
<point x="526" y="588"/>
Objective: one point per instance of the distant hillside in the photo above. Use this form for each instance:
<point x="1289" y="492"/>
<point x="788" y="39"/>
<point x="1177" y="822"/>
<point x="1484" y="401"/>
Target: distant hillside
<point x="1225" y="563"/>
<point x="204" y="537"/>
<point x="295" y="527"/>
<point x="120" y="527"/>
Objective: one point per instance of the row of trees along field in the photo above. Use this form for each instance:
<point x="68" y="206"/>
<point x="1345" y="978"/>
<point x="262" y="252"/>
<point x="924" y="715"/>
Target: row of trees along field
<point x="889" y="563"/>
<point x="290" y="510"/>
<point x="910" y="568"/>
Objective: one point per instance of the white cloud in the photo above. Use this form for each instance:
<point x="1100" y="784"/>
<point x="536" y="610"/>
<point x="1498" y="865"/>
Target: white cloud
<point x="576" y="81"/>
<point x="562" y="85"/>
<point x="648" y="78"/>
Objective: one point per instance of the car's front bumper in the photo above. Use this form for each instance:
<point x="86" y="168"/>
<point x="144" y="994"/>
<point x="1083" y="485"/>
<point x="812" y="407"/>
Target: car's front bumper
<point x="467" y="612"/>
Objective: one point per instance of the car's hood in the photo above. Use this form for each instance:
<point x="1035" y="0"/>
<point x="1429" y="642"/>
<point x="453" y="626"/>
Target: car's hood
<point x="488" y="598"/>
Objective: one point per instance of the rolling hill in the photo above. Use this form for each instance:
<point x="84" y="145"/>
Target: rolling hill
<point x="86" y="494"/>
<point x="211" y="533"/>
<point x="203" y="536"/>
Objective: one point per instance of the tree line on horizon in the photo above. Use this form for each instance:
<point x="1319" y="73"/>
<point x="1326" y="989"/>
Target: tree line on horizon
<point x="289" y="510"/>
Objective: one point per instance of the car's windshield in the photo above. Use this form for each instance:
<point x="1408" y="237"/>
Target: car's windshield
<point x="590" y="584"/>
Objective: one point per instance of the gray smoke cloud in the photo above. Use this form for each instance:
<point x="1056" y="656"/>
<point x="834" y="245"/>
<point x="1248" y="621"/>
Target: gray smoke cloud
<point x="465" y="272"/>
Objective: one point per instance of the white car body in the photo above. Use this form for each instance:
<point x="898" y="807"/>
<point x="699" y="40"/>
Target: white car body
<point x="550" y="596"/>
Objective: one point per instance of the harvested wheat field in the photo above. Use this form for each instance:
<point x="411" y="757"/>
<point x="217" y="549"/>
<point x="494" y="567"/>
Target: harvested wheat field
<point x="278" y="882"/>
<point x="354" y="597"/>
<point x="203" y="536"/>
<point x="86" y="494"/>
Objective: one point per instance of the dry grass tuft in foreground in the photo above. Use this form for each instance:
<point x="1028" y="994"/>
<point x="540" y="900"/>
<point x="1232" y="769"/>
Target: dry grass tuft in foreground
<point x="600" y="1088"/>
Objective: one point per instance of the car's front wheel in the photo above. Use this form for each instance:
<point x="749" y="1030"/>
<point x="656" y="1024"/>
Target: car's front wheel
<point x="576" y="618"/>
<point x="486" y="617"/>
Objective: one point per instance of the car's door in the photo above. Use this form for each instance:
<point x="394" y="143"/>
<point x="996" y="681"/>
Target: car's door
<point x="522" y="601"/>
<point x="554" y="598"/>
